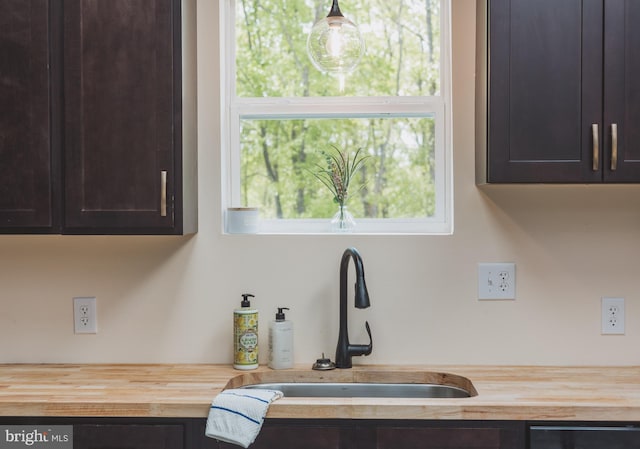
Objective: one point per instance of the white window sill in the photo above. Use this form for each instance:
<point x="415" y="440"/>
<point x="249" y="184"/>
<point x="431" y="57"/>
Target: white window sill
<point x="363" y="227"/>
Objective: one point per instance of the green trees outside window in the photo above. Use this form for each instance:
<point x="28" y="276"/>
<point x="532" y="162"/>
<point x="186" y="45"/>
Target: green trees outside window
<point x="279" y="148"/>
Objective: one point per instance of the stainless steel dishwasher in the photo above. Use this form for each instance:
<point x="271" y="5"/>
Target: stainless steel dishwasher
<point x="584" y="436"/>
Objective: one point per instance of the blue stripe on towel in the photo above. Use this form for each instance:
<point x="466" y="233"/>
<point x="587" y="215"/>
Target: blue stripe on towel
<point x="246" y="396"/>
<point x="236" y="412"/>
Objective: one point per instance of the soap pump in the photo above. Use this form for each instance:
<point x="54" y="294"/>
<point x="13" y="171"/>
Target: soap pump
<point x="280" y="341"/>
<point x="245" y="335"/>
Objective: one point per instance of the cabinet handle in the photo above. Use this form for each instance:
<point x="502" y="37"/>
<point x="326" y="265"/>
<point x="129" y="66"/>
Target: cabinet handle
<point x="596" y="147"/>
<point x="163" y="193"/>
<point x="614" y="146"/>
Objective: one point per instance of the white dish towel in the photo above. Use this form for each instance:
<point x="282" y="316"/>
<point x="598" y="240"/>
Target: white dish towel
<point x="236" y="415"/>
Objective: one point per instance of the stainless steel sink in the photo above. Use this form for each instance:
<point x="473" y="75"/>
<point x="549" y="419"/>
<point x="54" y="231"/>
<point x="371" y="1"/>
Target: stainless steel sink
<point x="363" y="390"/>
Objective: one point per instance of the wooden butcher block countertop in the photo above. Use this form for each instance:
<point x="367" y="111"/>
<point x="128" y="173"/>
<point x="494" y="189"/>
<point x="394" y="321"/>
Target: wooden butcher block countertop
<point x="503" y="392"/>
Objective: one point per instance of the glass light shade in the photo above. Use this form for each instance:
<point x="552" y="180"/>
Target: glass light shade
<point x="335" y="45"/>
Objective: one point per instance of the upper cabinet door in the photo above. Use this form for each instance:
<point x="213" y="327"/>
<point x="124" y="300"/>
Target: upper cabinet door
<point x="544" y="91"/>
<point x="26" y="195"/>
<point x="122" y="115"/>
<point x="622" y="91"/>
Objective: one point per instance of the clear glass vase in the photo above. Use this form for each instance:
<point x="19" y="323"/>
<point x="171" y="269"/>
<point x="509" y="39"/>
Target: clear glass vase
<point x="343" y="221"/>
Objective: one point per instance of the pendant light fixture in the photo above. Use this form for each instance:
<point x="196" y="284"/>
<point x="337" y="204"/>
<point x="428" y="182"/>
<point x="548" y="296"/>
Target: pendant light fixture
<point x="335" y="44"/>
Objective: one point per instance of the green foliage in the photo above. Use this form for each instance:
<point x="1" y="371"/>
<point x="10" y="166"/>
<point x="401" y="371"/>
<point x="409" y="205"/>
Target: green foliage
<point x="337" y="171"/>
<point x="279" y="155"/>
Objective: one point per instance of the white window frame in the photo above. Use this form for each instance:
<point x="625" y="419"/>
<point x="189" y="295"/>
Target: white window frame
<point x="234" y="109"/>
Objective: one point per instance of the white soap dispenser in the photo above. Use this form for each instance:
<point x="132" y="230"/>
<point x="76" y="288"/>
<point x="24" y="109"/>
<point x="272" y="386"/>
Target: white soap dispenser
<point x="280" y="341"/>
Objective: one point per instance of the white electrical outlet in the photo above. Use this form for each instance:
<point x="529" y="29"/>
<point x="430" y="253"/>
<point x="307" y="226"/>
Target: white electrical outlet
<point x="85" y="320"/>
<point x="496" y="281"/>
<point x="613" y="316"/>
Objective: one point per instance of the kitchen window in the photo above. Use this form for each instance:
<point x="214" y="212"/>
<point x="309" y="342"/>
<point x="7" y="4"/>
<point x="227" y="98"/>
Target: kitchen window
<point x="281" y="116"/>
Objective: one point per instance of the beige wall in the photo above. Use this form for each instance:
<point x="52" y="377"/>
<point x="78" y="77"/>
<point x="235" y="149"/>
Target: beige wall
<point x="170" y="299"/>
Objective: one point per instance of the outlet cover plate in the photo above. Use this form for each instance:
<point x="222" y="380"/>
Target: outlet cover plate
<point x="85" y="320"/>
<point x="496" y="281"/>
<point x="612" y="316"/>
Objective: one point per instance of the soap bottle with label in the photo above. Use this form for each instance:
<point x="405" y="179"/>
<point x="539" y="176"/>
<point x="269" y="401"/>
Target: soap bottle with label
<point x="245" y="335"/>
<point x="280" y="341"/>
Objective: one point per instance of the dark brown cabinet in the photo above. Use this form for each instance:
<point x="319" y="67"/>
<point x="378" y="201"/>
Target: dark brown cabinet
<point x="112" y="433"/>
<point x="560" y="91"/>
<point x="26" y="173"/>
<point x="188" y="433"/>
<point x="103" y="143"/>
<point x="290" y="434"/>
<point x="128" y="436"/>
<point x="450" y="435"/>
<point x="387" y="434"/>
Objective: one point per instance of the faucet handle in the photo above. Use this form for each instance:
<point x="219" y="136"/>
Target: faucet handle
<point x="366" y="349"/>
<point x="370" y="345"/>
<point x="354" y="350"/>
